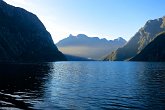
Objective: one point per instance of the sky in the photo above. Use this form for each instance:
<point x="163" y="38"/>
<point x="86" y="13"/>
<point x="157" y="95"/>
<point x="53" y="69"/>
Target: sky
<point x="108" y="19"/>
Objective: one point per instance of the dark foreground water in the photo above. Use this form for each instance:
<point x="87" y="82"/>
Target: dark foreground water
<point x="83" y="86"/>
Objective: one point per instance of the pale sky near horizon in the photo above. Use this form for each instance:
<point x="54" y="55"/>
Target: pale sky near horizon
<point x="96" y="18"/>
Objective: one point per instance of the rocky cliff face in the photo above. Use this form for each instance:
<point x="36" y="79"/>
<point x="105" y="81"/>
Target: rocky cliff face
<point x="139" y="41"/>
<point x="89" y="47"/>
<point x="23" y="37"/>
<point x="154" y="51"/>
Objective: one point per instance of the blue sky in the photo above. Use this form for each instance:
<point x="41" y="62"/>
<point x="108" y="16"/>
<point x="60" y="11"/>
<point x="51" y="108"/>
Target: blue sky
<point x="102" y="18"/>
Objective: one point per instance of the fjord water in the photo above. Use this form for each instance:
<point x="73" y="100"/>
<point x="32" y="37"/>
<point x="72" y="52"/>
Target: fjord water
<point x="83" y="85"/>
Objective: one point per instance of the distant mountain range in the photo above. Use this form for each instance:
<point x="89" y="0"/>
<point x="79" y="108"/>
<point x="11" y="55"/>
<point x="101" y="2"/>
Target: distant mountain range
<point x="23" y="37"/>
<point x="154" y="51"/>
<point x="89" y="47"/>
<point x="75" y="58"/>
<point x="139" y="41"/>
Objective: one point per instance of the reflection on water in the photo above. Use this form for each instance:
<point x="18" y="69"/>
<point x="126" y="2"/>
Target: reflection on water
<point x="21" y="84"/>
<point x="83" y="85"/>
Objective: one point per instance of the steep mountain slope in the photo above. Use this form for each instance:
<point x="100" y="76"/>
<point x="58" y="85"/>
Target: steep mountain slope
<point x="138" y="42"/>
<point x="88" y="47"/>
<point x="154" y="51"/>
<point x="23" y="37"/>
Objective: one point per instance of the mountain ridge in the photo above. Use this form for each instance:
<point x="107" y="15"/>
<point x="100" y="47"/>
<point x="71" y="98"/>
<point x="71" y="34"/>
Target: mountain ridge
<point x="83" y="37"/>
<point x="24" y="38"/>
<point x="154" y="51"/>
<point x="89" y="47"/>
<point x="139" y="41"/>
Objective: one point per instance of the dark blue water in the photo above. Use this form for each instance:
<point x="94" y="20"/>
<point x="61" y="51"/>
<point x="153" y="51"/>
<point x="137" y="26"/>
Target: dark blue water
<point x="83" y="86"/>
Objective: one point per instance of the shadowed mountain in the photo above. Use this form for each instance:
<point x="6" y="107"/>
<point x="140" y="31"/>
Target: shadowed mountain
<point x="89" y="47"/>
<point x="139" y="41"/>
<point x="23" y="37"/>
<point x="22" y="79"/>
<point x="154" y="51"/>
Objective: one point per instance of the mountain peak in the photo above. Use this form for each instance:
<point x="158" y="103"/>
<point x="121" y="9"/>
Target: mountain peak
<point x="120" y="39"/>
<point x="89" y="47"/>
<point x="140" y="40"/>
<point x="70" y="35"/>
<point x="82" y="36"/>
<point x="155" y="22"/>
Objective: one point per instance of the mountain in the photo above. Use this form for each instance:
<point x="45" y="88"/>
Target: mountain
<point x="23" y="37"/>
<point x="139" y="41"/>
<point x="154" y="51"/>
<point x="89" y="47"/>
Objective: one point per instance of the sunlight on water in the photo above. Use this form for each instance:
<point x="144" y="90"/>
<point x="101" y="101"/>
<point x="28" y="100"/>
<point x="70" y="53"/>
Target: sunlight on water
<point x="84" y="85"/>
